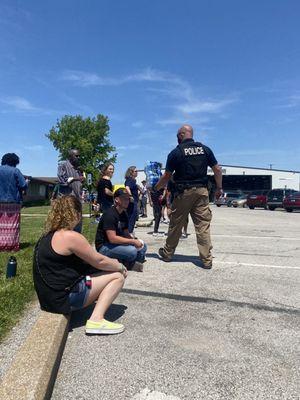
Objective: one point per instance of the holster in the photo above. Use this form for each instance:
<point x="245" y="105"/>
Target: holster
<point x="179" y="188"/>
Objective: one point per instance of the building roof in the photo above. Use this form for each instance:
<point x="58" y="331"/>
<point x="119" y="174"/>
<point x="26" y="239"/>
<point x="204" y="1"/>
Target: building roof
<point x="47" y="180"/>
<point x="242" y="166"/>
<point x="265" y="169"/>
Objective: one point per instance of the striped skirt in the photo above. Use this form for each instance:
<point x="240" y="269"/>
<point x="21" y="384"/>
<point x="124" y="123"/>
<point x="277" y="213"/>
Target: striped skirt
<point x="10" y="226"/>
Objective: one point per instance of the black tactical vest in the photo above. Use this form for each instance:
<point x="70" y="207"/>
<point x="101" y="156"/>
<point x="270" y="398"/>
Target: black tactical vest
<point x="193" y="169"/>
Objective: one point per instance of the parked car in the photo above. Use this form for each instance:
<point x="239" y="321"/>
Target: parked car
<point x="276" y="197"/>
<point x="257" y="199"/>
<point x="292" y="202"/>
<point x="241" y="201"/>
<point x="226" y="198"/>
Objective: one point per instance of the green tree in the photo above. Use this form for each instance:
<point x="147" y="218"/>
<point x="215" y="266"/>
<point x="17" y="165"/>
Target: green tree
<point x="89" y="135"/>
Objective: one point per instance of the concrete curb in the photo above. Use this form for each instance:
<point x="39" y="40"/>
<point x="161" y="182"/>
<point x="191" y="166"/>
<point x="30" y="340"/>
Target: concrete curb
<point x="32" y="374"/>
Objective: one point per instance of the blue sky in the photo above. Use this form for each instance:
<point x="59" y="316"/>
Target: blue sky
<point x="229" y="68"/>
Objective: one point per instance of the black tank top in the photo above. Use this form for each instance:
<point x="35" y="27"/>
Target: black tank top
<point x="54" y="275"/>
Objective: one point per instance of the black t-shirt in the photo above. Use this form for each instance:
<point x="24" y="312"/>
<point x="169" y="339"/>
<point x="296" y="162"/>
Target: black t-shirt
<point x="175" y="158"/>
<point x="102" y="197"/>
<point x="111" y="220"/>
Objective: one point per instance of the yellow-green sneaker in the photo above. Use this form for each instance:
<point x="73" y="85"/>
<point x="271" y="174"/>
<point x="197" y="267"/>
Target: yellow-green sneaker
<point x="103" y="327"/>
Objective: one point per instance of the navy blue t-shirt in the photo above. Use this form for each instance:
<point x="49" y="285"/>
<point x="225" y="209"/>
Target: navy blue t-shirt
<point x="131" y="183"/>
<point x="175" y="158"/>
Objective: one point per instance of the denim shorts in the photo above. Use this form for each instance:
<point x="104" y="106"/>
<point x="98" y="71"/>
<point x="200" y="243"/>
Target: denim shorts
<point x="79" y="295"/>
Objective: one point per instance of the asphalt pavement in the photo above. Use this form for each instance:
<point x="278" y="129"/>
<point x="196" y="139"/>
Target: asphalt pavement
<point x="227" y="333"/>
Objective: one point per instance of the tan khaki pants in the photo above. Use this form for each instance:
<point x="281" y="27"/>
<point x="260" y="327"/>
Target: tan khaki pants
<point x="195" y="202"/>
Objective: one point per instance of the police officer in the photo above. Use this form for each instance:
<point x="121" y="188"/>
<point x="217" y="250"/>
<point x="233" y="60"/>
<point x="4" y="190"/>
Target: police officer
<point x="189" y="162"/>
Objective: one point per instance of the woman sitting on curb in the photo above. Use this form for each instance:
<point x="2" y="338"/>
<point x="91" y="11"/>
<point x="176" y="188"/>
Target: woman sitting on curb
<point x="63" y="260"/>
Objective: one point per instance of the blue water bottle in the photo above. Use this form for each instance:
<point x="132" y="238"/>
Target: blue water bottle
<point x="11" y="269"/>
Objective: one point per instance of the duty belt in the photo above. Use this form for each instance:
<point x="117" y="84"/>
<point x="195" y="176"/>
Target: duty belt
<point x="181" y="187"/>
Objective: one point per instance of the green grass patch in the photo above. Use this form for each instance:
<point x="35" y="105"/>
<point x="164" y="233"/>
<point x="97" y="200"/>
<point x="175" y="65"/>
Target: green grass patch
<point x="15" y="293"/>
<point x="86" y="208"/>
<point x="45" y="209"/>
<point x="35" y="210"/>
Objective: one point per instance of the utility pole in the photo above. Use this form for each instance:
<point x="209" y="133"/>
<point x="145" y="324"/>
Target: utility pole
<point x="271" y="166"/>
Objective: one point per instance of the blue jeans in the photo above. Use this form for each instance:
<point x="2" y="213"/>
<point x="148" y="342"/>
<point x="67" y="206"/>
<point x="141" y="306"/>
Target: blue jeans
<point x="79" y="295"/>
<point x="125" y="253"/>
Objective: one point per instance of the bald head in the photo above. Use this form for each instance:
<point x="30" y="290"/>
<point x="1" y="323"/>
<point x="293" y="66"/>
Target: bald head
<point x="185" y="132"/>
<point x="74" y="156"/>
<point x="72" y="152"/>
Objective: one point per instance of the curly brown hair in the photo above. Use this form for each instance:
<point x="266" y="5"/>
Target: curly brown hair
<point x="64" y="212"/>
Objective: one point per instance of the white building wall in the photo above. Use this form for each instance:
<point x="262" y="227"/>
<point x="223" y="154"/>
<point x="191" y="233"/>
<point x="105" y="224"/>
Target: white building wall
<point x="141" y="176"/>
<point x="280" y="179"/>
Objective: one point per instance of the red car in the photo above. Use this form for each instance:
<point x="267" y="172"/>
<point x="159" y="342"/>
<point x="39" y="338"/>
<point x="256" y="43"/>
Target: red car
<point x="257" y="199"/>
<point x="292" y="202"/>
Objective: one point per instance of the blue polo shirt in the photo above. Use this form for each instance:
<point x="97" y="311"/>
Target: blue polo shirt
<point x="12" y="182"/>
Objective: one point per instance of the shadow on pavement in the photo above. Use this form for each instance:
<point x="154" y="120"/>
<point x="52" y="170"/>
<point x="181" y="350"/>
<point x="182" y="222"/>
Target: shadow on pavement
<point x="212" y="300"/>
<point x="180" y="258"/>
<point x="80" y="317"/>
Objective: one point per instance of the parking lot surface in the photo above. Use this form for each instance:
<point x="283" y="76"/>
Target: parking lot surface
<point x="227" y="333"/>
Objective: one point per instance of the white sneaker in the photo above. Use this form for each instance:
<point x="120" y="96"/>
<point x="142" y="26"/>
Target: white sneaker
<point x="158" y="234"/>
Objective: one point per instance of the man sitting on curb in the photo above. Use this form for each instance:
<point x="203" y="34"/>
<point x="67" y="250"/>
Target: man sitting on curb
<point x="113" y="238"/>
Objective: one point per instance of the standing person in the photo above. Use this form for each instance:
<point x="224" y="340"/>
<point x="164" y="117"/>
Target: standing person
<point x="104" y="187"/>
<point x="70" y="178"/>
<point x="132" y="189"/>
<point x="153" y="174"/>
<point x="69" y="274"/>
<point x="164" y="206"/>
<point x="189" y="162"/>
<point x="12" y="184"/>
<point x="143" y="199"/>
<point x="95" y="208"/>
<point x="155" y="201"/>
<point x="113" y="238"/>
<point x="55" y="193"/>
